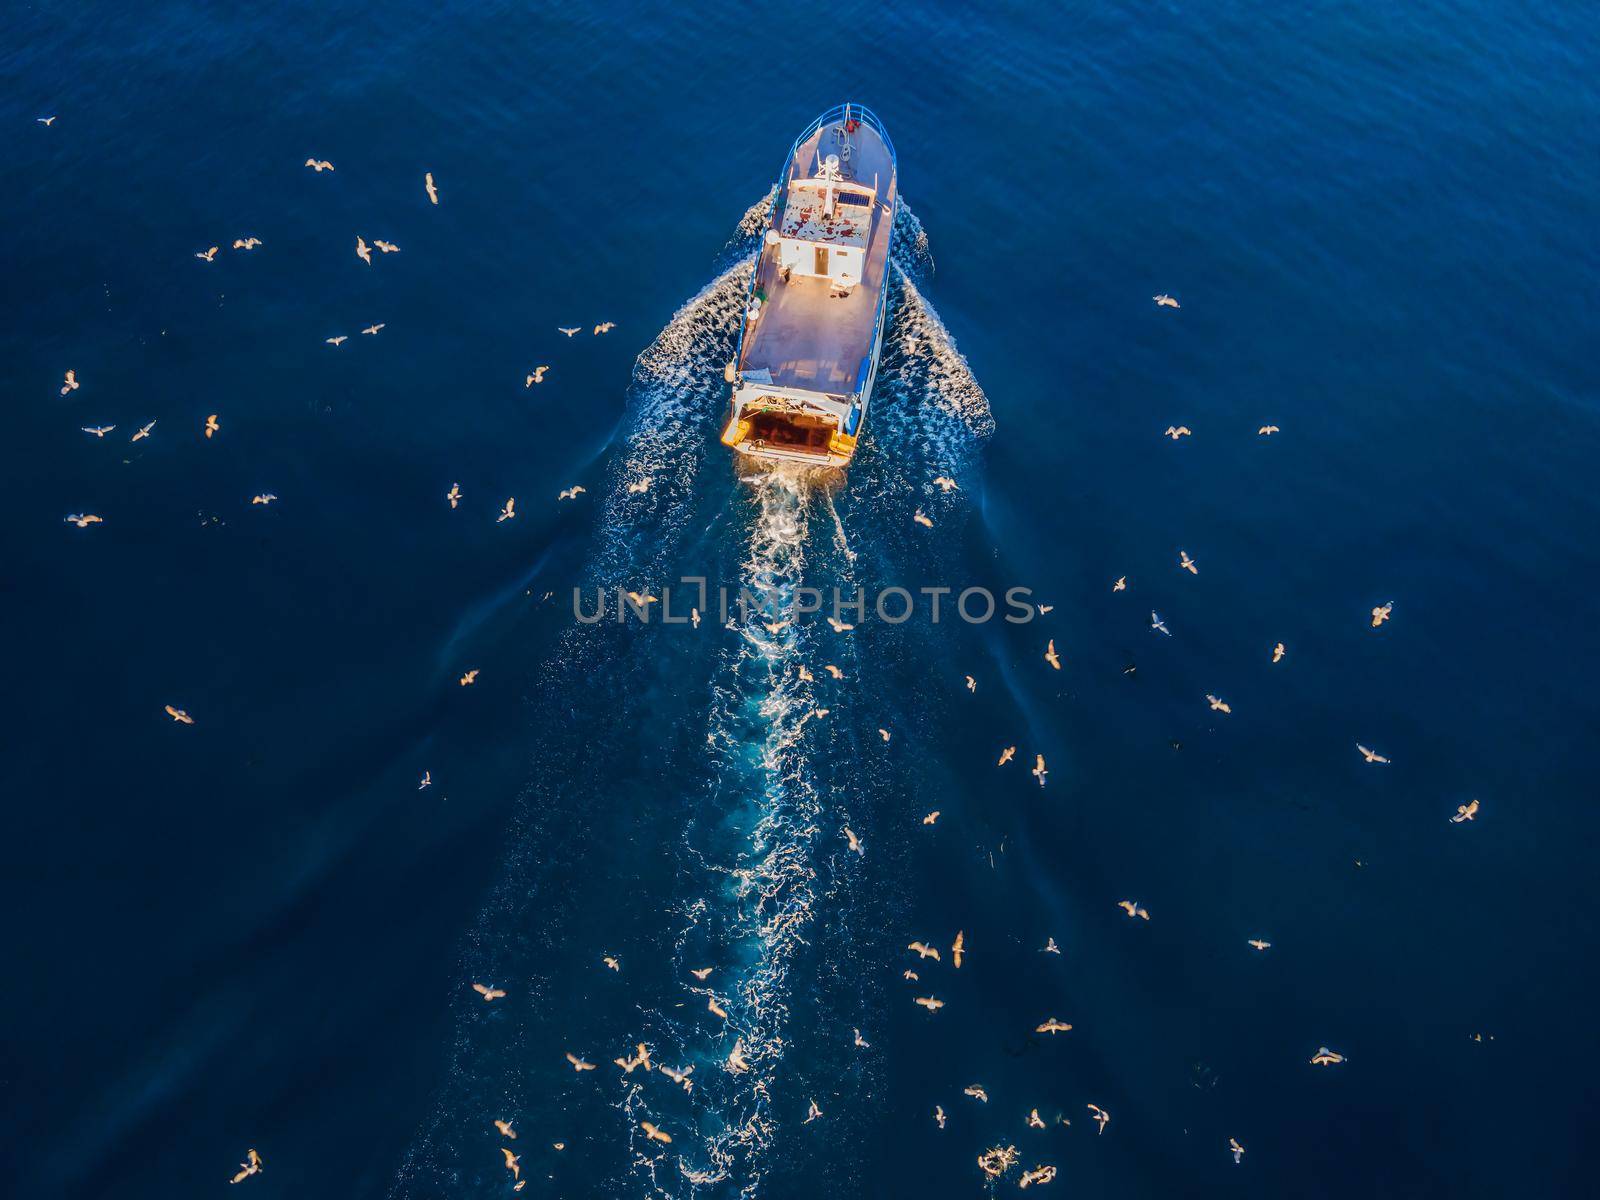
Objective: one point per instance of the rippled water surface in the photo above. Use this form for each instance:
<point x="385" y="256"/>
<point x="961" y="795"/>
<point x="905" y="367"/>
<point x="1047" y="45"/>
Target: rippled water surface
<point x="257" y="931"/>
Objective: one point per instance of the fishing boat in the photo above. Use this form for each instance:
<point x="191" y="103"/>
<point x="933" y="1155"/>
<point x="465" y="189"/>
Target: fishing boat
<point x="813" y="323"/>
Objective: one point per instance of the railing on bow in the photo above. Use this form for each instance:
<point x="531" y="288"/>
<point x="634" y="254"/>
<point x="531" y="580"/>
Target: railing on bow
<point x="841" y="115"/>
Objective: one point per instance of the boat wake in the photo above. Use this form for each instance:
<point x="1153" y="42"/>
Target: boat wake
<point x="768" y="780"/>
<point x="770" y="840"/>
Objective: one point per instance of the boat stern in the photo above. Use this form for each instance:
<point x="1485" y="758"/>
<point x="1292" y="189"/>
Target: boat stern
<point x="789" y="425"/>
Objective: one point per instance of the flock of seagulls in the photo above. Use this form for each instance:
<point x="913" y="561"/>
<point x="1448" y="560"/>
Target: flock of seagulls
<point x="364" y="251"/>
<point x="995" y="1162"/>
<point x="998" y="1160"/>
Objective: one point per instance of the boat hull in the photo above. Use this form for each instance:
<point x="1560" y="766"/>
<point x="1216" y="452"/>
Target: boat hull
<point x="812" y="330"/>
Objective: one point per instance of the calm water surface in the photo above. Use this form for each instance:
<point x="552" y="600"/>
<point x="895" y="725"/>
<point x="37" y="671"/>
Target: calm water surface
<point x="258" y="932"/>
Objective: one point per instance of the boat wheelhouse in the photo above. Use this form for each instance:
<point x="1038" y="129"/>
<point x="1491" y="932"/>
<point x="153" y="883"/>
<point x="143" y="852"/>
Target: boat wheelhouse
<point x="813" y="324"/>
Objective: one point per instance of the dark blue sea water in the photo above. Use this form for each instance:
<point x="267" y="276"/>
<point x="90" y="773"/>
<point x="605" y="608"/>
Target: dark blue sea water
<point x="256" y="931"/>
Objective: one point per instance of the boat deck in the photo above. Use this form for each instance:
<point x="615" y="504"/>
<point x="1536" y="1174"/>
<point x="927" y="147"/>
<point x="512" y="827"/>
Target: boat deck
<point x="807" y="337"/>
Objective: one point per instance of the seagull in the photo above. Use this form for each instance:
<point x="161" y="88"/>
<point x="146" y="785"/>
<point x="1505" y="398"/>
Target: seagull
<point x="70" y="383"/>
<point x="511" y="1162"/>
<point x="640" y="599"/>
<point x="363" y="251"/>
<point x="386" y="247"/>
<point x="1050" y="947"/>
<point x="1178" y="431"/>
<point x="488" y="992"/>
<point x="570" y="330"/>
<point x="910" y="976"/>
<point x="1035" y="1121"/>
<point x="833" y="671"/>
<point x="1258" y="943"/>
<point x="701" y="973"/>
<point x="144" y="432"/>
<point x="611" y="961"/>
<point x="1381" y="613"/>
<point x="1121" y="585"/>
<point x="924" y="950"/>
<point x="1218" y="704"/>
<point x="1039" y="771"/>
<point x="571" y="493"/>
<point x="959" y="948"/>
<point x="1053" y="1026"/>
<point x="976" y="1092"/>
<point x="855" y="842"/>
<point x="1187" y="563"/>
<point x="1165" y="301"/>
<point x="736" y="1061"/>
<point x="337" y="341"/>
<point x="252" y="1160"/>
<point x="638" y="487"/>
<point x="653" y="1133"/>
<point x="640" y="1059"/>
<point x="839" y="626"/>
<point x="1158" y="624"/>
<point x="536" y="376"/>
<point x="578" y="1065"/>
<point x="604" y="327"/>
<point x="1133" y="909"/>
<point x="1268" y="430"/>
<point x="883" y="733"/>
<point x="972" y="684"/>
<point x="681" y="1078"/>
<point x="931" y="818"/>
<point x="319" y="165"/>
<point x="922" y="518"/>
<point x="454" y="494"/>
<point x="1101" y="1116"/>
<point x="373" y="329"/>
<point x="938" y="1115"/>
<point x="212" y="425"/>
<point x="509" y="511"/>
<point x="812" y="1113"/>
<point x="1465" y="812"/>
<point x="249" y="243"/>
<point x="1372" y="756"/>
<point x="861" y="1042"/>
<point x="470" y="677"/>
<point x="99" y="431"/>
<point x="929" y="1003"/>
<point x="713" y="1007"/>
<point x="1278" y="652"/>
<point x="1326" y="1058"/>
<point x="427" y="186"/>
<point x="263" y="498"/>
<point x="1041" y="1174"/>
<point x="1050" y="655"/>
<point x="946" y="484"/>
<point x="1006" y="755"/>
<point x="1238" y="1150"/>
<point x="208" y="255"/>
<point x="83" y="520"/>
<point x="179" y="716"/>
<point x="427" y="780"/>
<point x="45" y="121"/>
<point x="505" y="1129"/>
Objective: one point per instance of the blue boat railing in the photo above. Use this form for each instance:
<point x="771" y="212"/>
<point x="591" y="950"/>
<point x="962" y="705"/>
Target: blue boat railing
<point x="841" y="115"/>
